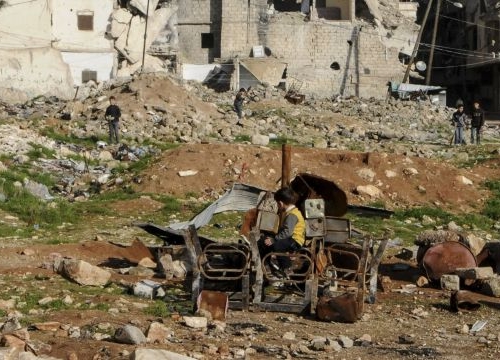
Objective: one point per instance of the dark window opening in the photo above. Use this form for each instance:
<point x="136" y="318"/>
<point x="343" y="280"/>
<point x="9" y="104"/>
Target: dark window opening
<point x="286" y="5"/>
<point x="207" y="41"/>
<point x="335" y="66"/>
<point x="88" y="75"/>
<point x="86" y="22"/>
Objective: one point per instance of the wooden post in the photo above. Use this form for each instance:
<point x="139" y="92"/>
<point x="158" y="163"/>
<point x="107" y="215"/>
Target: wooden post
<point x="417" y="42"/>
<point x="286" y="165"/>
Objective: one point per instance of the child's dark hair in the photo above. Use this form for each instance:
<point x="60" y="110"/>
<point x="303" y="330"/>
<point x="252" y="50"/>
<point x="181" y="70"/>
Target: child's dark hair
<point x="112" y="97"/>
<point x="286" y="195"/>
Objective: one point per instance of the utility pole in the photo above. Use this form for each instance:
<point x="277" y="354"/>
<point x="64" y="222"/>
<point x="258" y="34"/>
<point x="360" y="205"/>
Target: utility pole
<point x="433" y="43"/>
<point x="417" y="42"/>
<point x="145" y="36"/>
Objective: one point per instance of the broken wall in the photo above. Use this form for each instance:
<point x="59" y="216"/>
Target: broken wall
<point x="65" y="28"/>
<point x="26" y="73"/>
<point x="199" y="26"/>
<point x="378" y="64"/>
<point x="325" y="58"/>
<point x="14" y="32"/>
<point x="102" y="63"/>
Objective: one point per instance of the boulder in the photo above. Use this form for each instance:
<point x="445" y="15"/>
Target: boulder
<point x="370" y="190"/>
<point x="130" y="334"/>
<point x="84" y="273"/>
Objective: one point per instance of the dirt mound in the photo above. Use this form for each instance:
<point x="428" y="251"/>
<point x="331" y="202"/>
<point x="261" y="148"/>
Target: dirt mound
<point x="154" y="92"/>
<point x="403" y="181"/>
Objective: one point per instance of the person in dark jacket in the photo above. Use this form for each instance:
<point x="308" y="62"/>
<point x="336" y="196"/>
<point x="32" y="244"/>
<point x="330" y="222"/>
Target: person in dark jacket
<point x="477" y="123"/>
<point x="238" y="104"/>
<point x="459" y="120"/>
<point x="113" y="115"/>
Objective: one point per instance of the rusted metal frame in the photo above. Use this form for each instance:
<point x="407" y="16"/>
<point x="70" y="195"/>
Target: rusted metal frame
<point x="374" y="264"/>
<point x="304" y="275"/>
<point x="194" y="250"/>
<point x="361" y="277"/>
<point x="340" y="252"/>
<point x="203" y="261"/>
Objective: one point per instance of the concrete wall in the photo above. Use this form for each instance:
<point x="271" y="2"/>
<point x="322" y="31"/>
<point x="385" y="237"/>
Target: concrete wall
<point x="65" y="25"/>
<point x="25" y="25"/>
<point x="25" y="74"/>
<point x="196" y="17"/>
<point x="101" y="62"/>
<point x="365" y="64"/>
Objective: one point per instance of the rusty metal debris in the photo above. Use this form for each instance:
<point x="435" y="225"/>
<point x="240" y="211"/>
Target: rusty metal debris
<point x="330" y="271"/>
<point x="445" y="258"/>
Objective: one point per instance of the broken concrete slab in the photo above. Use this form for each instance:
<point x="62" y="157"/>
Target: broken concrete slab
<point x="120" y="20"/>
<point x="148" y="289"/>
<point x="83" y="273"/>
<point x="145" y="6"/>
<point x="135" y="39"/>
<point x="196" y="322"/>
<point x="450" y="282"/>
<point x="478" y="273"/>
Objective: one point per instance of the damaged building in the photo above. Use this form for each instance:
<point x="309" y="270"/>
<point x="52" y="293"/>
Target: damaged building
<point x="327" y="47"/>
<point x="321" y="48"/>
<point x="467" y="53"/>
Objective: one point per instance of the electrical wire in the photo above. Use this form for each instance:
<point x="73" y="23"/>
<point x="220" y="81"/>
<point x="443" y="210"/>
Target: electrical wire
<point x="468" y="22"/>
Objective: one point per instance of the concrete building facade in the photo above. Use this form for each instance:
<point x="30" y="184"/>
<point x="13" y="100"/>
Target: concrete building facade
<point x="326" y="56"/>
<point x="467" y="54"/>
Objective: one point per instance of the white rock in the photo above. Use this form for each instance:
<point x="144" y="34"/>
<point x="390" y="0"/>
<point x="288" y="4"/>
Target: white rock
<point x="366" y="174"/>
<point x="289" y="335"/>
<point x="196" y="322"/>
<point x="129" y="334"/>
<point x="105" y="156"/>
<point x="462" y="179"/>
<point x="390" y="174"/>
<point x="262" y="140"/>
<point x="84" y="273"/>
<point x="370" y="190"/>
<point x="345" y="341"/>
<point x="187" y="173"/>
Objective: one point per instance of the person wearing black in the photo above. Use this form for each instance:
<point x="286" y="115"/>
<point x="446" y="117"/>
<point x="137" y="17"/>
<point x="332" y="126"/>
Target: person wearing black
<point x="477" y="123"/>
<point x="113" y="115"/>
<point x="238" y="104"/>
<point x="459" y="121"/>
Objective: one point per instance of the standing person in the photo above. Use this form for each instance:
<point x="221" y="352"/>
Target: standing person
<point x="238" y="104"/>
<point x="291" y="234"/>
<point x="477" y="123"/>
<point x="459" y="119"/>
<point x="113" y="115"/>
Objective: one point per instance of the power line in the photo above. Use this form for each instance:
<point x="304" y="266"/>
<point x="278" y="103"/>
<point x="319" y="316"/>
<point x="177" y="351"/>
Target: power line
<point x="468" y="22"/>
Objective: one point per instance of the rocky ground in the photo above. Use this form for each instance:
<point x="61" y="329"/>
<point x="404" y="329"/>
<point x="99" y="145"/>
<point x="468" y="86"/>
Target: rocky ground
<point x="393" y="154"/>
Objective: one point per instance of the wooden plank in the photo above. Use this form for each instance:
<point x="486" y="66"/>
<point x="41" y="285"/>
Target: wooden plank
<point x="245" y="292"/>
<point x="372" y="297"/>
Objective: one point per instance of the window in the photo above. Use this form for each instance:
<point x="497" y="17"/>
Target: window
<point x="207" y="41"/>
<point x="88" y="75"/>
<point x="86" y="20"/>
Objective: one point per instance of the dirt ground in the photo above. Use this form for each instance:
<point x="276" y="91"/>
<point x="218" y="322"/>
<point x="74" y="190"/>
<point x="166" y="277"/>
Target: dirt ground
<point x="421" y="315"/>
<point x="436" y="183"/>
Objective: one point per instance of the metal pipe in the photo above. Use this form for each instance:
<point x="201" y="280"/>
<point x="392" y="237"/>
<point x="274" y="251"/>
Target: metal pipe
<point x="417" y="42"/>
<point x="145" y="36"/>
<point x="286" y="165"/>
<point x="433" y="43"/>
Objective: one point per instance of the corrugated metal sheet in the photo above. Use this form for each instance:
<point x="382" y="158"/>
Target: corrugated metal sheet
<point x="241" y="197"/>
